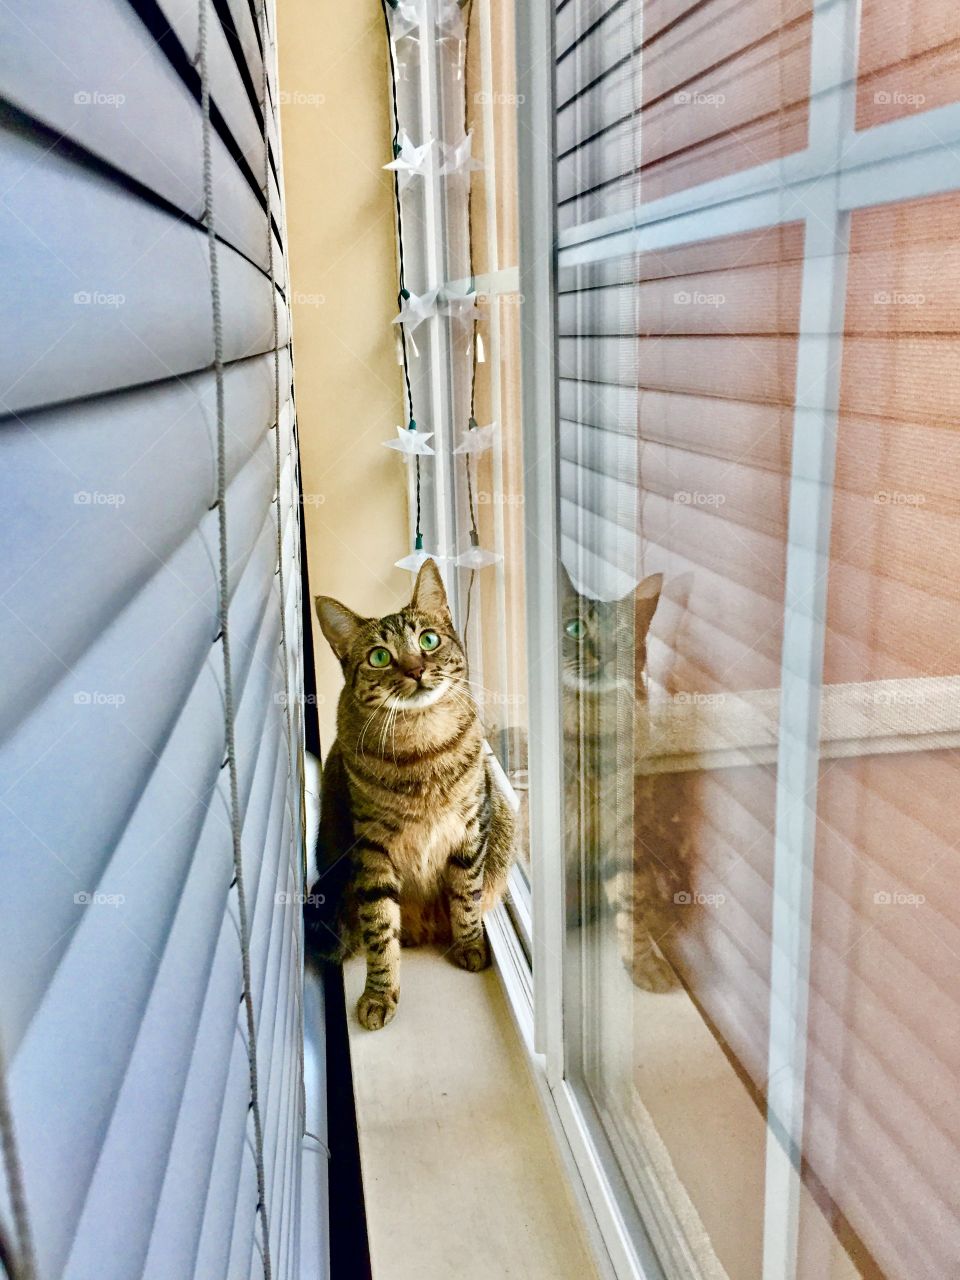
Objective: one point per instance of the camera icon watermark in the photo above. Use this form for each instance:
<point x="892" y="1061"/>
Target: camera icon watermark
<point x="299" y="899"/>
<point x="697" y="498"/>
<point x="683" y="298"/>
<point x="84" y="698"/>
<point x="485" y="499"/>
<point x="300" y="98"/>
<point x="98" y="298"/>
<point x="496" y="699"/>
<point x="98" y="98"/>
<point x="507" y="299"/>
<point x="498" y="99"/>
<point x="93" y="498"/>
<point x="897" y="298"/>
<point x="899" y="498"/>
<point x="896" y="98"/>
<point x="97" y="899"/>
<point x="683" y="98"/>
<point x="690" y="698"/>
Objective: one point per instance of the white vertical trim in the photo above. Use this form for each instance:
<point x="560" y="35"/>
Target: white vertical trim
<point x="437" y="487"/>
<point x="536" y="198"/>
<point x="493" y="312"/>
<point x="313" y="1249"/>
<point x="819" y="355"/>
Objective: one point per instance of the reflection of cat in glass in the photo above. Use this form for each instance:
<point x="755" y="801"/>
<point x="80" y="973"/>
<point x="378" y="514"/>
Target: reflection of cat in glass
<point x="622" y="832"/>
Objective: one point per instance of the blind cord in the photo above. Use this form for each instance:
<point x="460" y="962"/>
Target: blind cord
<point x="278" y="470"/>
<point x="22" y="1266"/>
<point x="284" y="648"/>
<point x="229" y="709"/>
<point x="403" y="293"/>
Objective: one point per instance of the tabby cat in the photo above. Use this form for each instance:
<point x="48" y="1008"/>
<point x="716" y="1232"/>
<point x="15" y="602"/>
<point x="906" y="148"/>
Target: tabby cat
<point x="416" y="839"/>
<point x="622" y="836"/>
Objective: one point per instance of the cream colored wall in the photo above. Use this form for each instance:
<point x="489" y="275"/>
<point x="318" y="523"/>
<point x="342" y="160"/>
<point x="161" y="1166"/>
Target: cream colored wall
<point x="335" y="136"/>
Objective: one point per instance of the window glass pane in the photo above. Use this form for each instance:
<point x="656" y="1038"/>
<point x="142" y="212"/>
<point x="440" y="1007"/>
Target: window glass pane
<point x="756" y="452"/>
<point x="909" y="58"/>
<point x="882" y="1123"/>
<point x="725" y="87"/>
<point x="495" y="595"/>
<point x="481" y="221"/>
<point x="719" y="87"/>
<point x="677" y="381"/>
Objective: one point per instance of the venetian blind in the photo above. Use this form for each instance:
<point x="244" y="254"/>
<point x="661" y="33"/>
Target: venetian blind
<point x="121" y="952"/>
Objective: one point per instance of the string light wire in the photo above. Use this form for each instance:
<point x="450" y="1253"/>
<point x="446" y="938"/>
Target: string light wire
<point x="403" y="292"/>
<point x="229" y="706"/>
<point x="472" y="423"/>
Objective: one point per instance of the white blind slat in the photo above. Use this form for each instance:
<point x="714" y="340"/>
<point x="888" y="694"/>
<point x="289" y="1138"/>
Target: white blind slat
<point x="95" y="75"/>
<point x="109" y="311"/>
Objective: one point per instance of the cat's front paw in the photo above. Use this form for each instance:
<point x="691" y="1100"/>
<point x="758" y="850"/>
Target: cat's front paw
<point x="473" y="955"/>
<point x="375" y="1009"/>
<point x="651" y="972"/>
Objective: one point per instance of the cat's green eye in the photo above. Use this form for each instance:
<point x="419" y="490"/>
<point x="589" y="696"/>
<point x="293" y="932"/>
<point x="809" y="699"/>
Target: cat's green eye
<point x="575" y="628"/>
<point x="379" y="657"/>
<point x="429" y="640"/>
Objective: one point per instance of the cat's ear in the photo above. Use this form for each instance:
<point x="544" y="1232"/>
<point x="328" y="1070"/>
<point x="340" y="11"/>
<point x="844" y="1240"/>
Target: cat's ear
<point x="339" y="624"/>
<point x="567" y="590"/>
<point x="429" y="595"/>
<point x="646" y="597"/>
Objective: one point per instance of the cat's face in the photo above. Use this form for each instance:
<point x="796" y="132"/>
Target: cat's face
<point x="410" y="660"/>
<point x="595" y="634"/>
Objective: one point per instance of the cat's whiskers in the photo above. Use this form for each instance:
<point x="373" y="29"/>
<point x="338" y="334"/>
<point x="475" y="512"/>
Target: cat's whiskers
<point x="480" y="686"/>
<point x="412" y="702"/>
<point x="400" y="711"/>
<point x="366" y="725"/>
<point x="384" y="730"/>
<point x="463" y="702"/>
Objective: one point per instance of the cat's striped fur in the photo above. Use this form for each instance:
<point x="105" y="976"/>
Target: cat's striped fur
<point x="416" y="839"/>
<point x="622" y="828"/>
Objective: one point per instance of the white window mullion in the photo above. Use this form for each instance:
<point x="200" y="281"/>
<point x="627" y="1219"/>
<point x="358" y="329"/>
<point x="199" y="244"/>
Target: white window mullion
<point x="438" y="490"/>
<point x="493" y="313"/>
<point x="816" y="400"/>
<point x="537" y="205"/>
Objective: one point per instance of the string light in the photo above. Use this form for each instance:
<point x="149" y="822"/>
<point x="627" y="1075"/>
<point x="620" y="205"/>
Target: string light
<point x="415" y="308"/>
<point x="403" y="20"/>
<point x="460" y="306"/>
<point x="411" y="442"/>
<point x="404" y="297"/>
<point x="458" y="158"/>
<point x="409" y="160"/>
<point x="476" y="439"/>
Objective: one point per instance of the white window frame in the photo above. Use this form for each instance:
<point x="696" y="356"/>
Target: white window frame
<point x="840" y="170"/>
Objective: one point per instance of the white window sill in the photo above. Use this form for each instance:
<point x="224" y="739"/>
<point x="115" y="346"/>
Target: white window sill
<point x="694" y="731"/>
<point x="460" y="1172"/>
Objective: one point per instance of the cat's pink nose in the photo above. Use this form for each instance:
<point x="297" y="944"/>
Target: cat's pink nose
<point x="412" y="666"/>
